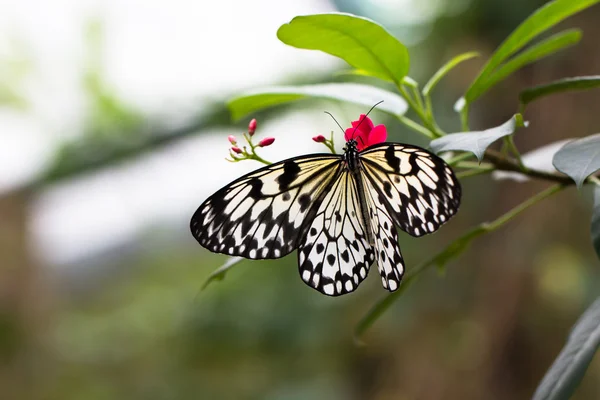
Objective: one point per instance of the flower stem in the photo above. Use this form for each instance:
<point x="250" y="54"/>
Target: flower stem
<point x="461" y="157"/>
<point x="473" y="172"/>
<point x="475" y="165"/>
<point x="417" y="106"/>
<point x="510" y="144"/>
<point x="464" y="118"/>
<point x="415" y="126"/>
<point x="256" y="157"/>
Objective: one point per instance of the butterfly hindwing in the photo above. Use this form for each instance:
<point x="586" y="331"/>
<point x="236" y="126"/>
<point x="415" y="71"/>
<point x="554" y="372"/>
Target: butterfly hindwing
<point x="387" y="250"/>
<point x="334" y="255"/>
<point x="418" y="188"/>
<point x="260" y="215"/>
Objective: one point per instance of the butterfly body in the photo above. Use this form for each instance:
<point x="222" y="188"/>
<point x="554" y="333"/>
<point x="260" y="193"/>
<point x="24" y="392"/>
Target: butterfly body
<point x="339" y="211"/>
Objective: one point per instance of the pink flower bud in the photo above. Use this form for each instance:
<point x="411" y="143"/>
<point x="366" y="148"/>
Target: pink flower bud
<point x="252" y="127"/>
<point x="319" y="139"/>
<point x="232" y="139"/>
<point x="237" y="150"/>
<point x="266" y="142"/>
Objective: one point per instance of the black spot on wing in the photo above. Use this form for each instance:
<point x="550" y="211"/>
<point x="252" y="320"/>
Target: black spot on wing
<point x="304" y="201"/>
<point x="345" y="256"/>
<point x="392" y="160"/>
<point x="320" y="248"/>
<point x="256" y="188"/>
<point x="290" y="173"/>
<point x="387" y="188"/>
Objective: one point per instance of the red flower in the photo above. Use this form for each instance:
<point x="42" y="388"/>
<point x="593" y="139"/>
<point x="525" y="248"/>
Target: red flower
<point x="365" y="133"/>
<point x="319" y="139"/>
<point x="266" y="142"/>
<point x="237" y="150"/>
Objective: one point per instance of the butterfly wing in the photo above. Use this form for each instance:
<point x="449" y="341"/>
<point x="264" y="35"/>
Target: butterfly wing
<point x="334" y="254"/>
<point x="260" y="215"/>
<point x="387" y="250"/>
<point x="417" y="187"/>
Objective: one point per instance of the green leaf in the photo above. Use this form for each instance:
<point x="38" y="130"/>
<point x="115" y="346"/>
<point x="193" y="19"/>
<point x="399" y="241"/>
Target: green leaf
<point x="541" y="20"/>
<point x="356" y="93"/>
<point x="359" y="41"/>
<point x="445" y="69"/>
<point x="539" y="50"/>
<point x="219" y="273"/>
<point x="596" y="221"/>
<point x="477" y="141"/>
<point x="570" y="366"/>
<point x="561" y="85"/>
<point x="579" y="158"/>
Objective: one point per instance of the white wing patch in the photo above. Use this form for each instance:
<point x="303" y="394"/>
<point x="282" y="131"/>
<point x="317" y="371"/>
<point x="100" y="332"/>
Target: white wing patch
<point x="387" y="250"/>
<point x="334" y="256"/>
<point x="418" y="188"/>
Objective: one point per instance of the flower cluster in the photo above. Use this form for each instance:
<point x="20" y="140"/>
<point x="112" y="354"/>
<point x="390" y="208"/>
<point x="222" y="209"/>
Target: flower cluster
<point x="248" y="152"/>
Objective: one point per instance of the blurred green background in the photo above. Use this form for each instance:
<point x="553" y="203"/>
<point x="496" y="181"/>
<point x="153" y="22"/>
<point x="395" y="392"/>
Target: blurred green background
<point x="113" y="130"/>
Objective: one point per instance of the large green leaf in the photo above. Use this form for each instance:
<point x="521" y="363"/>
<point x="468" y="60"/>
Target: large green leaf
<point x="561" y="85"/>
<point x="534" y="53"/>
<point x="360" y="42"/>
<point x="579" y="158"/>
<point x="568" y="369"/>
<point x="356" y="93"/>
<point x="541" y="20"/>
<point x="477" y="141"/>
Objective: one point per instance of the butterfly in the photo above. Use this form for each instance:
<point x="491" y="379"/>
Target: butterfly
<point x="339" y="211"/>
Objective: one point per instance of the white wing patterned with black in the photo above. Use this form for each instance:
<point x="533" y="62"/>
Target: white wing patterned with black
<point x="387" y="250"/>
<point x="260" y="215"/>
<point x="418" y="188"/>
<point x="334" y="255"/>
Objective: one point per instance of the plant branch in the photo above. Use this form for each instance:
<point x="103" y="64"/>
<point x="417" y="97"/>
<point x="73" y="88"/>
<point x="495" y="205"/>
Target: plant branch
<point x="505" y="164"/>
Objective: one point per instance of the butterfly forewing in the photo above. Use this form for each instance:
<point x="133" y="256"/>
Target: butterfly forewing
<point x="417" y="187"/>
<point x="260" y="215"/>
<point x="334" y="255"/>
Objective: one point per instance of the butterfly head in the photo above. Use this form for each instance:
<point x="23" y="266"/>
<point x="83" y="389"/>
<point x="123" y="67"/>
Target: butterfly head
<point x="351" y="145"/>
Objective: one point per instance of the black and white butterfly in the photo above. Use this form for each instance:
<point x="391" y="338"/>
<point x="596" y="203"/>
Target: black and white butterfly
<point x="339" y="211"/>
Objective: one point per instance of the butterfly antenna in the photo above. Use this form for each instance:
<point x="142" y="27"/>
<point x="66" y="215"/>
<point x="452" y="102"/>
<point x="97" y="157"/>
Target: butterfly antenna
<point x="338" y="124"/>
<point x="365" y="117"/>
